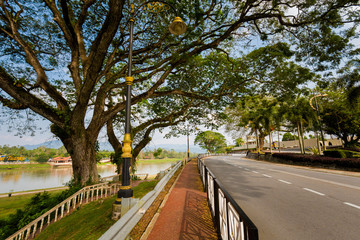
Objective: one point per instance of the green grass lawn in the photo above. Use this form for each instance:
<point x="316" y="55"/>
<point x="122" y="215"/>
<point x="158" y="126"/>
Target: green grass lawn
<point x="159" y="160"/>
<point x="9" y="205"/>
<point x="24" y="166"/>
<point x="90" y="221"/>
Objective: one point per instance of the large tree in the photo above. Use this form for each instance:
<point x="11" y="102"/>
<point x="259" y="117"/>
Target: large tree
<point x="340" y="117"/>
<point x="65" y="59"/>
<point x="210" y="141"/>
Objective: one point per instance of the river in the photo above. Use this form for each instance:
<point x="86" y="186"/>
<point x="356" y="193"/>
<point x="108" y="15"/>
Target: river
<point x="16" y="180"/>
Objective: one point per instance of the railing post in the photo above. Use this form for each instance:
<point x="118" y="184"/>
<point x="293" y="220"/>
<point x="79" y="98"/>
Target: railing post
<point x="56" y="213"/>
<point x="68" y="206"/>
<point x="216" y="203"/>
<point x="34" y="230"/>
<point x="41" y="225"/>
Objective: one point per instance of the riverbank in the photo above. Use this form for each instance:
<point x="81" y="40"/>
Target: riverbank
<point x="24" y="166"/>
<point x="164" y="160"/>
<point x="45" y="165"/>
<point x="9" y="205"/>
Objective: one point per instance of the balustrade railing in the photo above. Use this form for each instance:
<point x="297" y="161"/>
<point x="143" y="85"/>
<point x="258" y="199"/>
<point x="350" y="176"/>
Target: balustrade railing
<point x="83" y="196"/>
<point x="230" y="220"/>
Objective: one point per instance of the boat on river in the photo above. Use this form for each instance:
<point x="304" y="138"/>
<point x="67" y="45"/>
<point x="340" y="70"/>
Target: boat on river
<point x="60" y="161"/>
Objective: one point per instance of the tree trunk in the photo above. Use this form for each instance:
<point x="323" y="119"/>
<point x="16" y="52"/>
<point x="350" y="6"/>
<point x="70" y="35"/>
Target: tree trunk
<point x="84" y="161"/>
<point x="279" y="140"/>
<point x="270" y="142"/>
<point x="81" y="146"/>
<point x="302" y="135"/>
<point x="117" y="146"/>
<point x="299" y="138"/>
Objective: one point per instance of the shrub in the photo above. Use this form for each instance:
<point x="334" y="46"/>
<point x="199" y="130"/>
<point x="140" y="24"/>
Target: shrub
<point x="38" y="205"/>
<point x="335" y="153"/>
<point x="341" y="153"/>
<point x="347" y="163"/>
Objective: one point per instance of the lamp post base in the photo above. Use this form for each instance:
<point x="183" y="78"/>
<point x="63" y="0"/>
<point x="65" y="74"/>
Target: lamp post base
<point x="124" y="195"/>
<point x="116" y="213"/>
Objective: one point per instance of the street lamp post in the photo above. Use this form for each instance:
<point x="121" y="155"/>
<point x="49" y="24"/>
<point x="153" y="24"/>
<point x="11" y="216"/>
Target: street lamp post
<point x="316" y="108"/>
<point x="188" y="147"/>
<point x="177" y="27"/>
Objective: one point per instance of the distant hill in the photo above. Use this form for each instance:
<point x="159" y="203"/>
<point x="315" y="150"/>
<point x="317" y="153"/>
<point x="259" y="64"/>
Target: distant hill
<point x="50" y="144"/>
<point x="106" y="146"/>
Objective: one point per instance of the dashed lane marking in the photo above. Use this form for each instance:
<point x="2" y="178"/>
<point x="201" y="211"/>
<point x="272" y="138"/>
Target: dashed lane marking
<point x="283" y="181"/>
<point x="313" y="191"/>
<point x="255" y="172"/>
<point x="318" y="179"/>
<point x="352" y="205"/>
<point x="265" y="175"/>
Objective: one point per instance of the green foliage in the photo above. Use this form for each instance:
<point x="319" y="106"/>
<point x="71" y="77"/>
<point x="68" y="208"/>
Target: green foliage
<point x="171" y="154"/>
<point x="239" y="141"/>
<point x="90" y="221"/>
<point x="95" y="76"/>
<point x="40" y="154"/>
<point x="38" y="204"/>
<point x="211" y="141"/>
<point x="341" y="118"/>
<point x="289" y="137"/>
<point x="314" y="150"/>
<point x="341" y="153"/>
<point x="158" y="152"/>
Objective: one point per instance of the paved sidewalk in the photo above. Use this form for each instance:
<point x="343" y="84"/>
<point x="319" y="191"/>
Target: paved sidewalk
<point x="186" y="214"/>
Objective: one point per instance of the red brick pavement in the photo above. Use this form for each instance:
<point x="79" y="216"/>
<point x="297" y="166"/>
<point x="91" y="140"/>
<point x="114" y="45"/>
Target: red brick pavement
<point x="186" y="214"/>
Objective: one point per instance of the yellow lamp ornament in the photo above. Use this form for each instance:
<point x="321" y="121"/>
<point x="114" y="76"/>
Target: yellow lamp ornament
<point x="177" y="27"/>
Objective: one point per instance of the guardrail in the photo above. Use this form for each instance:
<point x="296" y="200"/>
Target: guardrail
<point x="230" y="220"/>
<point x="84" y="195"/>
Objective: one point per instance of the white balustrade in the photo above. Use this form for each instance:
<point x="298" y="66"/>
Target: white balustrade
<point x="87" y="194"/>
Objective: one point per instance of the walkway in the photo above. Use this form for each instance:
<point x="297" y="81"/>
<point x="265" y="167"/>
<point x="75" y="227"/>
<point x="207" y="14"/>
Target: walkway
<point x="185" y="214"/>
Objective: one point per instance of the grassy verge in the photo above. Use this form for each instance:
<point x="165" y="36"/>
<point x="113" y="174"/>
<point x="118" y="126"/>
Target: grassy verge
<point x="91" y="220"/>
<point x="24" y="166"/>
<point x="164" y="160"/>
<point x="9" y="205"/>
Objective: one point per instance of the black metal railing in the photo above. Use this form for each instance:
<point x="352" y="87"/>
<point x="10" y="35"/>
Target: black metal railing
<point x="231" y="221"/>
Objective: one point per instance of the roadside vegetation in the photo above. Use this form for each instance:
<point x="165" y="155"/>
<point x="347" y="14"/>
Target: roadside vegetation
<point x="91" y="219"/>
<point x="9" y="205"/>
<point x="32" y="209"/>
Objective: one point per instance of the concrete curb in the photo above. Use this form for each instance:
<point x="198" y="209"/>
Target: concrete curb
<point x="122" y="228"/>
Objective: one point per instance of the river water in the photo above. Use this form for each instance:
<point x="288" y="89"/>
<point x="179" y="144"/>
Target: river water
<point x="31" y="179"/>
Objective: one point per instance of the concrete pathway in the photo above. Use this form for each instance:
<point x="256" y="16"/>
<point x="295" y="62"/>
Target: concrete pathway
<point x="185" y="214"/>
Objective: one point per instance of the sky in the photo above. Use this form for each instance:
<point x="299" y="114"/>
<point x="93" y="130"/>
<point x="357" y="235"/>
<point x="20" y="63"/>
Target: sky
<point x="9" y="138"/>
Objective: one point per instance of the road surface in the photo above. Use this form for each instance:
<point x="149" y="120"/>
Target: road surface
<point x="292" y="203"/>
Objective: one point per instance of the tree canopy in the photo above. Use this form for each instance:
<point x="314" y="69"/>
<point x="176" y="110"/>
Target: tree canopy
<point x="210" y="141"/>
<point x="66" y="60"/>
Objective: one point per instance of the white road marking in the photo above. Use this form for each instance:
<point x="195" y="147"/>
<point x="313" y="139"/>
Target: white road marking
<point x="255" y="172"/>
<point x="240" y="167"/>
<point x="318" y="179"/>
<point x="313" y="191"/>
<point x="246" y="169"/>
<point x="265" y="175"/>
<point x="283" y="181"/>
<point x="352" y="205"/>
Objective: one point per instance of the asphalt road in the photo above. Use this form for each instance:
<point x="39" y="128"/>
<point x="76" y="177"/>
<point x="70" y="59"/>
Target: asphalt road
<point x="292" y="203"/>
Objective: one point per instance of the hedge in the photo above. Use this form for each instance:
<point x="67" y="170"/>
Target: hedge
<point x="353" y="163"/>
